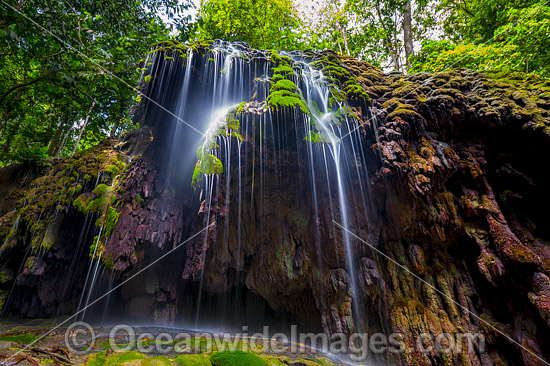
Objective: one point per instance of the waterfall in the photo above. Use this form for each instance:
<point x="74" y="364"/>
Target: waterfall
<point x="238" y="98"/>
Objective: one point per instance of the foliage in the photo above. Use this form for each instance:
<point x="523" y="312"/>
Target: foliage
<point x="441" y="55"/>
<point x="509" y="36"/>
<point x="68" y="66"/>
<point x="370" y="30"/>
<point x="31" y="154"/>
<point x="261" y="23"/>
<point x="68" y="69"/>
<point x="478" y="20"/>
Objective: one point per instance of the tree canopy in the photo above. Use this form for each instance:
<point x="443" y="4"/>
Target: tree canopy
<point x="68" y="68"/>
<point x="491" y="35"/>
<point x="261" y="23"/>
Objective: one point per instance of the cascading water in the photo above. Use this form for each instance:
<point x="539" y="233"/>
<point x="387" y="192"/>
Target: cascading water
<point x="247" y="132"/>
<point x="261" y="150"/>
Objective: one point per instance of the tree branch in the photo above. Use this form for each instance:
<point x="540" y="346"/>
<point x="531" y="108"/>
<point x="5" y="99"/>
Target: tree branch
<point x="12" y="89"/>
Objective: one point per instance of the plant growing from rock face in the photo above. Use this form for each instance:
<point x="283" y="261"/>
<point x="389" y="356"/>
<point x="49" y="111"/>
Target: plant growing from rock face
<point x="225" y="123"/>
<point x="283" y="92"/>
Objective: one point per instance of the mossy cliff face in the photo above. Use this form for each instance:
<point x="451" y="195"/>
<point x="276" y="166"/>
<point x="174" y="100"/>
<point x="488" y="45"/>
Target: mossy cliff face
<point x="95" y="206"/>
<point x="460" y="200"/>
<point x="459" y="195"/>
<point x="458" y="184"/>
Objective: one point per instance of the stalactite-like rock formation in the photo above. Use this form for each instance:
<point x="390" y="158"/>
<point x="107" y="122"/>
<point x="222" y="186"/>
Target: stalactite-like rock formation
<point x="444" y="174"/>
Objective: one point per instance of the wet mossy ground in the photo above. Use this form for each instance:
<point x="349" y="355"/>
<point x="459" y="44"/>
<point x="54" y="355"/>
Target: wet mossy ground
<point x="221" y="358"/>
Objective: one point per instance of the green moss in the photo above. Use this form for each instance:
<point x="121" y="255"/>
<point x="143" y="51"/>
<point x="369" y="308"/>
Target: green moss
<point x="337" y="95"/>
<point x="193" y="360"/>
<point x="126" y="356"/>
<point x="232" y="122"/>
<point x="113" y="169"/>
<point x="111" y="218"/>
<point x="19" y="338"/>
<point x="100" y="189"/>
<point x="284" y="92"/>
<point x="284" y="84"/>
<point x="81" y="203"/>
<point x="50" y="236"/>
<point x="335" y="71"/>
<point x="240" y="108"/>
<point x="236" y="359"/>
<point x="357" y="92"/>
<point x="139" y="200"/>
<point x="404" y="113"/>
<point x="286" y="99"/>
<point x="4" y="277"/>
<point x="283" y="69"/>
<point x="207" y="164"/>
<point x="156" y="361"/>
<point x="101" y="359"/>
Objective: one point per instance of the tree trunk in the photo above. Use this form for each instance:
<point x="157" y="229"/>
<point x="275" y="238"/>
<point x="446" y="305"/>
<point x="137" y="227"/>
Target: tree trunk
<point x="345" y="37"/>
<point x="117" y="123"/>
<point x="407" y="33"/>
<point x="61" y="146"/>
<point x="57" y="138"/>
<point x="391" y="46"/>
<point x="83" y="127"/>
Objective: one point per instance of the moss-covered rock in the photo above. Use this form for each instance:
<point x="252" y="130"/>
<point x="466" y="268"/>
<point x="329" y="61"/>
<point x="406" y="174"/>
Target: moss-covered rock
<point x="236" y="359"/>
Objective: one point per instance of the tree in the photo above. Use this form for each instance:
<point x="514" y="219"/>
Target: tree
<point x="380" y="31"/>
<point x="327" y="24"/>
<point x="260" y="23"/>
<point x="59" y="56"/>
<point x="477" y="21"/>
<point x="520" y="40"/>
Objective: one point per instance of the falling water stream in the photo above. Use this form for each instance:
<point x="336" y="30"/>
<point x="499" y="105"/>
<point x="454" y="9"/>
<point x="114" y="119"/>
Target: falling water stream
<point x="202" y="90"/>
<point x="230" y="76"/>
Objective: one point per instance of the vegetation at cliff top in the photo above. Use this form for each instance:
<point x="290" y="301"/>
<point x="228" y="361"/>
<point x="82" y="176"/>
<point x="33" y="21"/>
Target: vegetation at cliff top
<point x="68" y="70"/>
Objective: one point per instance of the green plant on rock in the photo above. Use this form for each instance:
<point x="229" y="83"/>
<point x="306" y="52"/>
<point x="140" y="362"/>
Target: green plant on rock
<point x="42" y="208"/>
<point x="192" y="360"/>
<point x="316" y="137"/>
<point x="236" y="359"/>
<point x="283" y="92"/>
<point x="225" y="124"/>
<point x="207" y="164"/>
<point x="26" y="338"/>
